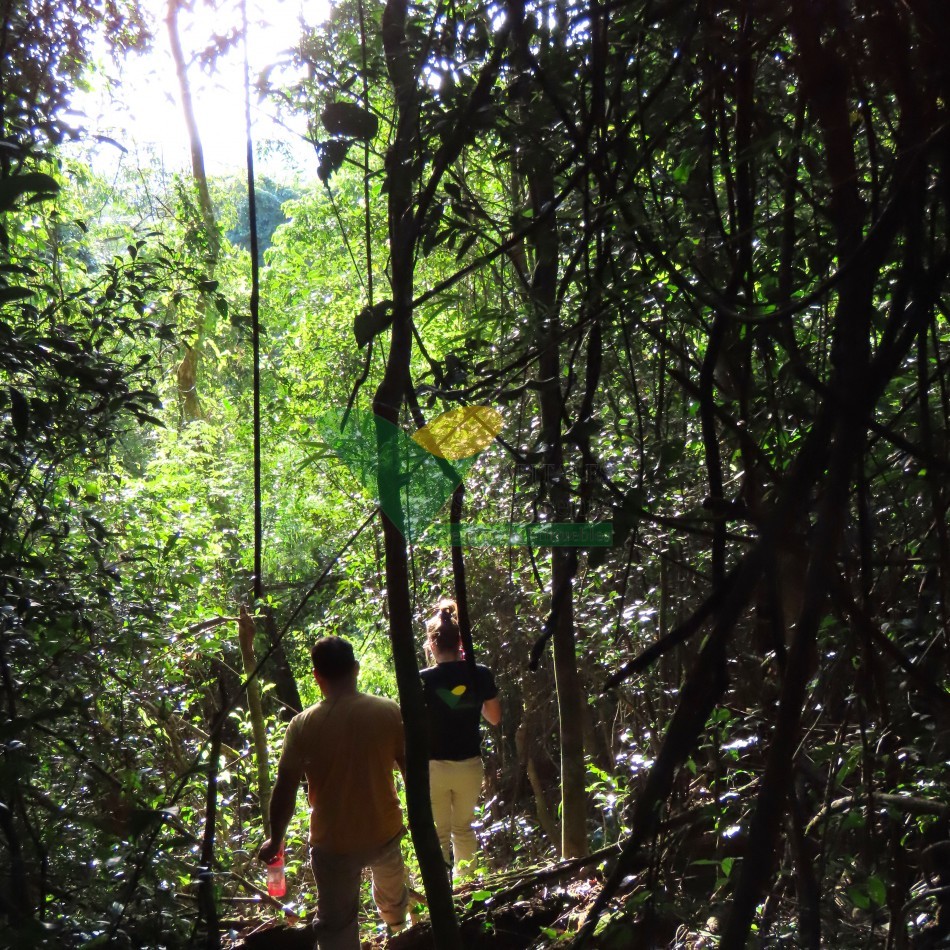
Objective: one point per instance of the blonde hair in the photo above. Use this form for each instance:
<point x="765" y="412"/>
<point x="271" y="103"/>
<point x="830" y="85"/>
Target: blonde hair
<point x="442" y="629"/>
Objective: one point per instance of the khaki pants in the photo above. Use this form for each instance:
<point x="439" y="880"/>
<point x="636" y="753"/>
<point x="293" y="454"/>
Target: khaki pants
<point x="454" y="788"/>
<point x="338" y="892"/>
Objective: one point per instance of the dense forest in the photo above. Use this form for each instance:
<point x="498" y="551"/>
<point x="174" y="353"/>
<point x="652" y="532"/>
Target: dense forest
<point x="625" y="323"/>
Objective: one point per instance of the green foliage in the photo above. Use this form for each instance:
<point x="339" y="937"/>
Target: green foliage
<point x="700" y="326"/>
<point x="81" y="374"/>
<point x="271" y="196"/>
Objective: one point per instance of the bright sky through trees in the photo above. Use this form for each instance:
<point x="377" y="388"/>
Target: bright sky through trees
<point x="136" y="102"/>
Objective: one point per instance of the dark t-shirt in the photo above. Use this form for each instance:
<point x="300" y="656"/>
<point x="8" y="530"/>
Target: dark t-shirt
<point x="454" y="700"/>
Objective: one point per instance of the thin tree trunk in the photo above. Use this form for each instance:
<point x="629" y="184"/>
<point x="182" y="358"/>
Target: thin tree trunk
<point x="850" y="408"/>
<point x="285" y="683"/>
<point x="207" y="902"/>
<point x="386" y="404"/>
<point x="524" y="746"/>
<point x="536" y="169"/>
<point x="705" y="683"/>
<point x="246" y="638"/>
<point x="187" y="372"/>
<point x="458" y="574"/>
<point x="806" y="883"/>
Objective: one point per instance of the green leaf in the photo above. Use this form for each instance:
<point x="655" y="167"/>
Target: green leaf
<point x="350" y="120"/>
<point x="877" y="891"/>
<point x="371" y="321"/>
<point x="36" y="184"/>
<point x="19" y="412"/>
<point x="332" y="155"/>
<point x="467" y="242"/>
<point x="627" y="514"/>
<point x="581" y="431"/>
<point x="633" y="502"/>
<point x="848" y="766"/>
<point x="9" y="294"/>
<point x="853" y="819"/>
<point x="859" y="897"/>
<point x="681" y="174"/>
<point x="671" y="452"/>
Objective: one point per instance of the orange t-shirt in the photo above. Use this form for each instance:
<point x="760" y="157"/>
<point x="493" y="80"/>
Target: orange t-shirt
<point x="348" y="748"/>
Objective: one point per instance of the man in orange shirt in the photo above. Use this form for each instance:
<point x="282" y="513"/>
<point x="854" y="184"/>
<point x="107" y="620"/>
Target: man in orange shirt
<point x="348" y="747"/>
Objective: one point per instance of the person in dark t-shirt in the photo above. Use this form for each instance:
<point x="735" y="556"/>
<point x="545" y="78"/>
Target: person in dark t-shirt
<point x="457" y="696"/>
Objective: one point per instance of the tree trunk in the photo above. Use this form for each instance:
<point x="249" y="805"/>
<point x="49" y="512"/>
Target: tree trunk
<point x="386" y="405"/>
<point x="187" y="372"/>
<point x="458" y="574"/>
<point x="246" y="638"/>
<point x="285" y="683"/>
<point x="536" y="168"/>
<point x="524" y="741"/>
<point x="824" y="77"/>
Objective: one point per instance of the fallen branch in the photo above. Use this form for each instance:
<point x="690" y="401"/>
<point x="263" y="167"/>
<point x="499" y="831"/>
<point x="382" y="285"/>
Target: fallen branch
<point x="538" y="878"/>
<point x="909" y="804"/>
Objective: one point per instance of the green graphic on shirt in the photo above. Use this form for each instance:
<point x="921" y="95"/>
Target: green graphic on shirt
<point x="452" y="697"/>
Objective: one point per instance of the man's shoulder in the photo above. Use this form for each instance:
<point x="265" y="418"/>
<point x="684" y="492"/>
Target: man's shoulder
<point x="381" y="704"/>
<point x="305" y="716"/>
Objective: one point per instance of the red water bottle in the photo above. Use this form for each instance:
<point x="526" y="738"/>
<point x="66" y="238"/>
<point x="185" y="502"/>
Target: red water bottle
<point x="276" y="880"/>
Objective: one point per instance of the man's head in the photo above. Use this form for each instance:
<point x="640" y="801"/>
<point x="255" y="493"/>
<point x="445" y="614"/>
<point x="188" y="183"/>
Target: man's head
<point x="334" y="663"/>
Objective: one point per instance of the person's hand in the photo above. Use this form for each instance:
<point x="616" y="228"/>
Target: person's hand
<point x="269" y="850"/>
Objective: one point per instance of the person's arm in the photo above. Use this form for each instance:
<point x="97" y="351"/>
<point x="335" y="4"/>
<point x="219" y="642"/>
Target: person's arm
<point x="283" y="797"/>
<point x="491" y="710"/>
<point x="491" y="707"/>
<point x="283" y="800"/>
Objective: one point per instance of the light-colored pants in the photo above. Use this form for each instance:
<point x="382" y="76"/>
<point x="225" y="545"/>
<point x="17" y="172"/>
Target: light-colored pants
<point x="454" y="788"/>
<point x="338" y="892"/>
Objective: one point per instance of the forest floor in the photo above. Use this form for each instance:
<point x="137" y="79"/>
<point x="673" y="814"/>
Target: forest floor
<point x="537" y="908"/>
